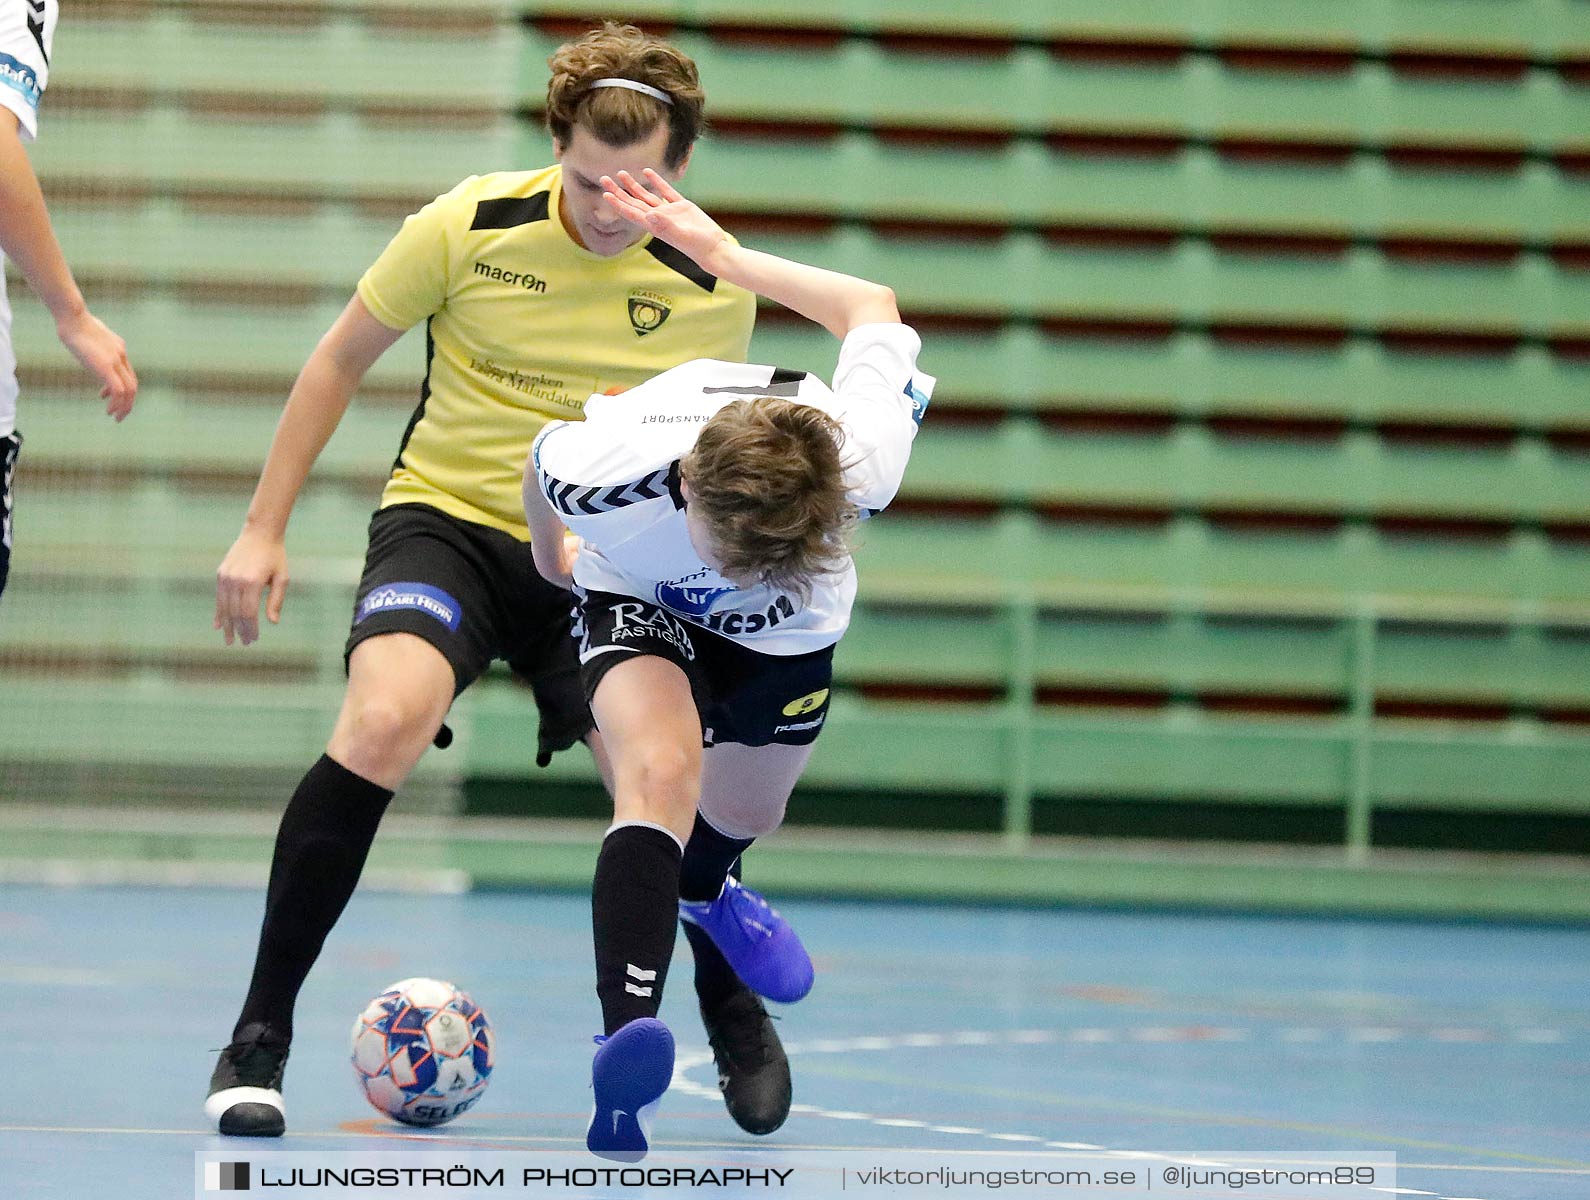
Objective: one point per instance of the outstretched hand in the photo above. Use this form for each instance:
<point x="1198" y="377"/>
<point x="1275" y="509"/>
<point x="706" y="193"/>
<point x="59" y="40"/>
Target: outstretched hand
<point x="255" y="568"/>
<point x="104" y="353"/>
<point x="662" y="212"/>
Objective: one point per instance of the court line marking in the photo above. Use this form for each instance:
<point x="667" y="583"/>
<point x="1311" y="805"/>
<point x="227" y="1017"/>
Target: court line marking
<point x="691" y="1061"/>
<point x="687" y="1062"/>
<point x="1181" y="1034"/>
<point x="1230" y="1119"/>
<point x="73" y="872"/>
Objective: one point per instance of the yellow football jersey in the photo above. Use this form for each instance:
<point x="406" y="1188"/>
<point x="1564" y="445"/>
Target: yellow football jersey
<point x="523" y="325"/>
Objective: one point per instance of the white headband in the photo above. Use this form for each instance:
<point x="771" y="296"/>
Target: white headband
<point x="644" y="89"/>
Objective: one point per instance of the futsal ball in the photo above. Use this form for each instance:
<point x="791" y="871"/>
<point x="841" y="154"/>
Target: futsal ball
<point x="422" y="1052"/>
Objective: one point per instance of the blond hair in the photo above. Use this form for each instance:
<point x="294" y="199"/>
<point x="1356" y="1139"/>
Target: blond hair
<point x="766" y="477"/>
<point x="618" y="116"/>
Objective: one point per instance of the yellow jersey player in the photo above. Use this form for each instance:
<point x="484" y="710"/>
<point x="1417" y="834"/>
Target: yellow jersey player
<point x="535" y="294"/>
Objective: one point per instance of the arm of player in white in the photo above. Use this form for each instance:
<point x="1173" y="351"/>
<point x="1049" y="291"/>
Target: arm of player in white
<point x="879" y="399"/>
<point x="28" y="239"/>
<point x="553" y="552"/>
<point x="837" y="302"/>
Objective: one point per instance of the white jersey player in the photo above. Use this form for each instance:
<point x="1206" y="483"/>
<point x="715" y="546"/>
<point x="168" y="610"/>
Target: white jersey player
<point x="27" y="36"/>
<point x="613" y="479"/>
<point x="709" y="509"/>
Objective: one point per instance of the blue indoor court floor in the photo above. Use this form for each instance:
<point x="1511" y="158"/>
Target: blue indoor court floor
<point x="1464" y="1049"/>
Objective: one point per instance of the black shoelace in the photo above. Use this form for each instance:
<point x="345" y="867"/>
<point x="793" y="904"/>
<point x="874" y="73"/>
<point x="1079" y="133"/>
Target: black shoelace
<point x="259" y="1061"/>
<point x="742" y="1033"/>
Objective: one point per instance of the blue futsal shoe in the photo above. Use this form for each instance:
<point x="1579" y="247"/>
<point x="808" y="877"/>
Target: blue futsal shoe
<point x="759" y="944"/>
<point x="630" y="1073"/>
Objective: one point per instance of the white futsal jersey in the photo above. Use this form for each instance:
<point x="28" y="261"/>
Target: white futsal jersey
<point x="614" y="479"/>
<point x="27" y="29"/>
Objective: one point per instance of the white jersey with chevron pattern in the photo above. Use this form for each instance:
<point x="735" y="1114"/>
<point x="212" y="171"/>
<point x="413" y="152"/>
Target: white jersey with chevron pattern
<point x="613" y="478"/>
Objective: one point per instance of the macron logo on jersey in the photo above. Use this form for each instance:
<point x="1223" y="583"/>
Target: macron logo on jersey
<point x="518" y="279"/>
<point x="21" y="78"/>
<point x="419" y="596"/>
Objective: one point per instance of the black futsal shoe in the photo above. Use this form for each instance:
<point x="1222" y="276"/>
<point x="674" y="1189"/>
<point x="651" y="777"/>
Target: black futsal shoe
<point x="753" y="1071"/>
<point x="246" y="1088"/>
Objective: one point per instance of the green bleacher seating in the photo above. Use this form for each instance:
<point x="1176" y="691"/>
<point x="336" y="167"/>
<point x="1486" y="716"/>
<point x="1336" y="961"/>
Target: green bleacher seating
<point x="196" y="335"/>
<point x="1196" y="517"/>
<point x="343" y="155"/>
<point x="1549" y="28"/>
<point x="153" y="522"/>
<point x="345" y="60"/>
<point x="160" y="239"/>
<point x="1158" y="650"/>
<point x="1191" y="468"/>
<point x="214" y="435"/>
<point x="158" y="520"/>
<point x="1190" y="552"/>
<point x="167" y="722"/>
<point x="156" y="622"/>
<point x="1020" y="367"/>
<point x="337" y="153"/>
<point x="1185" y="756"/>
<point x="352" y="62"/>
<point x="403" y="13"/>
<point x="1020" y="275"/>
<point x="859" y="82"/>
<point x="1022" y="19"/>
<point x="1201" y="376"/>
<point x="1216" y="759"/>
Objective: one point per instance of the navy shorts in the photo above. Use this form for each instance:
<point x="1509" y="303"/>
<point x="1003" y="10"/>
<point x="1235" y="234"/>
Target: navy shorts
<point x="742" y="695"/>
<point x="474" y="593"/>
<point x="9" y="446"/>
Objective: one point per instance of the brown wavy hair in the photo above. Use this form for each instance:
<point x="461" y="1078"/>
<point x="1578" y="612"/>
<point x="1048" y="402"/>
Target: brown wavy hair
<point x="766" y="477"/>
<point x="618" y="116"/>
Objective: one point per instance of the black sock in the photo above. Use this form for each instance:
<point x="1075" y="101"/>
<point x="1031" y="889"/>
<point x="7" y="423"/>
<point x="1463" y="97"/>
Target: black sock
<point x="634" y="902"/>
<point x="710" y="857"/>
<point x="321" y="846"/>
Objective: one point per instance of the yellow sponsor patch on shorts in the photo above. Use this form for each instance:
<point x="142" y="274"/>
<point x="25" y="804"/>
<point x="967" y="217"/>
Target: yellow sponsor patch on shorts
<point x="806" y="703"/>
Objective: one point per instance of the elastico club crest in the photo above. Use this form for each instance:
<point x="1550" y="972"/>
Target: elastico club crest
<point x="647" y="311"/>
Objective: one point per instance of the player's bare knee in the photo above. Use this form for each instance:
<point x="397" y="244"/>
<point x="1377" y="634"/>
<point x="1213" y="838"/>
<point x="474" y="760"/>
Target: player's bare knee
<point x="667" y="779"/>
<point x="379" y="729"/>
<point x="743" y="817"/>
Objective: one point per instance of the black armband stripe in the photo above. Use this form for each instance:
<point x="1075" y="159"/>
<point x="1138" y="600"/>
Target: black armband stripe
<point x="509" y="211"/>
<point x="678" y="260"/>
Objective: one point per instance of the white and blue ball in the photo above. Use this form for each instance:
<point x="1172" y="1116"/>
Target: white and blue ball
<point x="423" y="1051"/>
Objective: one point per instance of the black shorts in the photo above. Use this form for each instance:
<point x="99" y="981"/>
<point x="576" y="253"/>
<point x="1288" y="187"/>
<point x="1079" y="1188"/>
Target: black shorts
<point x="743" y="696"/>
<point x="474" y="593"/>
<point x="9" y="446"/>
